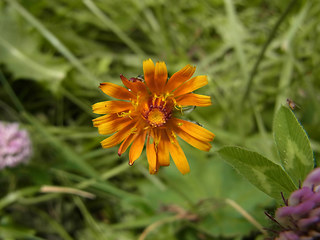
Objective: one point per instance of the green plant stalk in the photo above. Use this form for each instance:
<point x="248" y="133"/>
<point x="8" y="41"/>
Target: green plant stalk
<point x="53" y="40"/>
<point x="58" y="228"/>
<point x="239" y="50"/>
<point x="15" y="196"/>
<point x="152" y="178"/>
<point x="89" y="219"/>
<point x="63" y="149"/>
<point x="77" y="101"/>
<point x="11" y="93"/>
<point x="246" y="215"/>
<point x="12" y="233"/>
<point x="110" y="24"/>
<point x="104" y="186"/>
<point x="289" y="59"/>
<point x="38" y="199"/>
<point x="36" y="66"/>
<point x="264" y="49"/>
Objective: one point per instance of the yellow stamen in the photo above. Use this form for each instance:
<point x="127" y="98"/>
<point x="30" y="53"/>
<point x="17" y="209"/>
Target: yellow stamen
<point x="156" y="117"/>
<point x="134" y="130"/>
<point x="173" y="134"/>
<point x="124" y="114"/>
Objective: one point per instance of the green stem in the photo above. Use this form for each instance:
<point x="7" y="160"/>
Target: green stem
<point x="15" y="196"/>
<point x="111" y="25"/>
<point x="53" y="224"/>
<point x="263" y="50"/>
<point x="11" y="93"/>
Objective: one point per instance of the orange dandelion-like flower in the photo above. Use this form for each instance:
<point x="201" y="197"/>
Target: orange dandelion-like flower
<point x="148" y="112"/>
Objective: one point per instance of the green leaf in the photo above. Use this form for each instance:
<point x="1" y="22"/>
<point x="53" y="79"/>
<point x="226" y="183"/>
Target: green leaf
<point x="293" y="145"/>
<point x="12" y="232"/>
<point x="266" y="175"/>
<point x="20" y="51"/>
<point x="16" y="195"/>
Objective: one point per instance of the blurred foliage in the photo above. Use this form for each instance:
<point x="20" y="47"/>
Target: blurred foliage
<point x="55" y="53"/>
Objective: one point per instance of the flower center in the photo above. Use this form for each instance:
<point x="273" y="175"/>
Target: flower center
<point x="157" y="117"/>
<point x="157" y="110"/>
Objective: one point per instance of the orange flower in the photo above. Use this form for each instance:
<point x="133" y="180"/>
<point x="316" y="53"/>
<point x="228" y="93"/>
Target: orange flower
<point x="147" y="112"/>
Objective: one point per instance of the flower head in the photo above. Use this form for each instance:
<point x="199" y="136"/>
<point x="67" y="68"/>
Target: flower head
<point x="147" y="113"/>
<point x="15" y="145"/>
<point x="300" y="218"/>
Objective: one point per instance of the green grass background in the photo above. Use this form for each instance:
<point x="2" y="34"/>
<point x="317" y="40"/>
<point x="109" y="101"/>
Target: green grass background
<point x="54" y="54"/>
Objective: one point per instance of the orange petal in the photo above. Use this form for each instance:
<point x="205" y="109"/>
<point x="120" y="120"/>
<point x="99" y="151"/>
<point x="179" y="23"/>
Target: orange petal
<point x="192" y="99"/>
<point x="178" y="157"/>
<point x="118" y="136"/>
<point x="180" y="77"/>
<point x="163" y="150"/>
<point x="191" y="85"/>
<point x="126" y="143"/>
<point x="108" y="107"/>
<point x="137" y="147"/>
<point x="115" y="91"/>
<point x="160" y="77"/>
<point x="152" y="156"/>
<point x="134" y="86"/>
<point x="202" y="145"/>
<point x="148" y="71"/>
<point x="103" y="119"/>
<point x="194" y="130"/>
<point x="114" y="125"/>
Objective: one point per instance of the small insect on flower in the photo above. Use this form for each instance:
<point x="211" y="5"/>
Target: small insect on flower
<point x="147" y="114"/>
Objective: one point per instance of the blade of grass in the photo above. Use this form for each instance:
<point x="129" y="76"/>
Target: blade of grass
<point x="12" y="233"/>
<point x="295" y="26"/>
<point x="77" y="101"/>
<point x="237" y="38"/>
<point x="115" y="171"/>
<point x="284" y="81"/>
<point x="28" y="61"/>
<point x="65" y="151"/>
<point x="152" y="227"/>
<point x="66" y="190"/>
<point x="152" y="178"/>
<point x="234" y="22"/>
<point x="16" y="195"/>
<point x="99" y="185"/>
<point x="53" y="40"/>
<point x="246" y="215"/>
<point x="272" y="34"/>
<point x="58" y="228"/>
<point x="111" y="25"/>
<point x="98" y="231"/>
<point x="140" y="223"/>
<point x="108" y="174"/>
<point x="288" y="61"/>
<point x="10" y="92"/>
<point x="38" y="199"/>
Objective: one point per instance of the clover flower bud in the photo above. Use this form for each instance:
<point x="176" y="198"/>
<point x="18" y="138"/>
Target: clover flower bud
<point x="15" y="145"/>
<point x="300" y="218"/>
